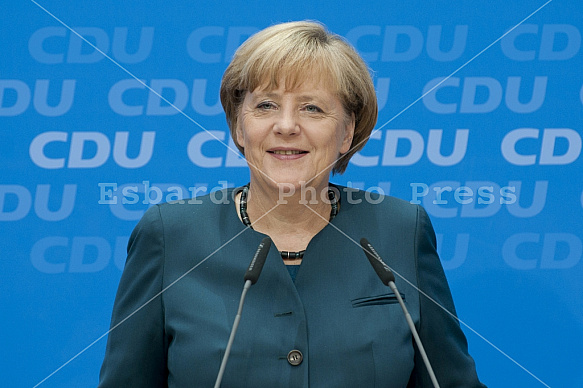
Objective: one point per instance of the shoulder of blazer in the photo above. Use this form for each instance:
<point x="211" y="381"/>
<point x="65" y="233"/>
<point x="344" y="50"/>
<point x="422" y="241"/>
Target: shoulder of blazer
<point x="382" y="207"/>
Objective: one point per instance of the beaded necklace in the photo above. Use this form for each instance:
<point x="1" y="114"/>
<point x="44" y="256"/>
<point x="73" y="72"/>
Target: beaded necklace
<point x="284" y="254"/>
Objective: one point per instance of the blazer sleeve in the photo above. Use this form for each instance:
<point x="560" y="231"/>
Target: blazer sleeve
<point x="136" y="349"/>
<point x="440" y="332"/>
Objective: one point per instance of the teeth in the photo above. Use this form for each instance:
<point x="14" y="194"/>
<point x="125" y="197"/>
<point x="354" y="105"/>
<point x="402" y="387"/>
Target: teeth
<point x="287" y="152"/>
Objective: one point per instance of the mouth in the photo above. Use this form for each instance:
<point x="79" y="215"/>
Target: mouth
<point x="287" y="152"/>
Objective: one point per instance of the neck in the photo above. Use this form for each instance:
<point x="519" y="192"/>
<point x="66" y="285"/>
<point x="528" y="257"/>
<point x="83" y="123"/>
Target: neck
<point x="291" y="220"/>
<point x="286" y="210"/>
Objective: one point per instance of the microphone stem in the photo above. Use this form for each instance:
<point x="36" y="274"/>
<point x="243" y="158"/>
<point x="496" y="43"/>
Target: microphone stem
<point x="233" y="332"/>
<point x="415" y="334"/>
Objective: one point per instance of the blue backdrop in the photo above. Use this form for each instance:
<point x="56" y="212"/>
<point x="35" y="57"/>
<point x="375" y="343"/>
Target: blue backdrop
<point x="480" y="121"/>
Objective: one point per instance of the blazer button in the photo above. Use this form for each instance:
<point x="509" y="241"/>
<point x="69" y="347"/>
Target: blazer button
<point x="295" y="357"/>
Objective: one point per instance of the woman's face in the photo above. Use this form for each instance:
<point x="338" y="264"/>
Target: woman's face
<point x="293" y="136"/>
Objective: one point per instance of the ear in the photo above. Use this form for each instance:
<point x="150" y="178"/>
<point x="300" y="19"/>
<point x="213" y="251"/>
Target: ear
<point x="348" y="135"/>
<point x="239" y="134"/>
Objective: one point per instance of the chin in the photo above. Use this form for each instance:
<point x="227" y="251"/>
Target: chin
<point x="285" y="184"/>
<point x="300" y="183"/>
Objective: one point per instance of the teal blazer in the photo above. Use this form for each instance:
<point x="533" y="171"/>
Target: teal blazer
<point x="180" y="289"/>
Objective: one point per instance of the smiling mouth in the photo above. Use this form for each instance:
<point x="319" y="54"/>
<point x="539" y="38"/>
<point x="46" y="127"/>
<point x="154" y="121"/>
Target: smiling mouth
<point x="287" y="152"/>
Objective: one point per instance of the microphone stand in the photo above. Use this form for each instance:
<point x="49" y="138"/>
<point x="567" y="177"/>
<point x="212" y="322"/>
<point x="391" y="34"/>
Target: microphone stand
<point x="232" y="336"/>
<point x="393" y="287"/>
<point x="387" y="277"/>
<point x="251" y="277"/>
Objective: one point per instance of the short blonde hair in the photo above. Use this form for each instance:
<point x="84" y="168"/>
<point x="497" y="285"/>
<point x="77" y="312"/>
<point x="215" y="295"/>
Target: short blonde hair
<point x="293" y="50"/>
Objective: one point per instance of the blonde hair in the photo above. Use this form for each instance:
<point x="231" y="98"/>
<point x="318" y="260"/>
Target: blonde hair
<point x="292" y="51"/>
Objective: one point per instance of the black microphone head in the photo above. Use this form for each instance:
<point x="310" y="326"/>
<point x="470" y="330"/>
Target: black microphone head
<point x="256" y="265"/>
<point x="382" y="270"/>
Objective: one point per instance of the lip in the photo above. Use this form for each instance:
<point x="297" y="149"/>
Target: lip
<point x="285" y="153"/>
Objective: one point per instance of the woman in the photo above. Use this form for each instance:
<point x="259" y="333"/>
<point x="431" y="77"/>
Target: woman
<point x="299" y="103"/>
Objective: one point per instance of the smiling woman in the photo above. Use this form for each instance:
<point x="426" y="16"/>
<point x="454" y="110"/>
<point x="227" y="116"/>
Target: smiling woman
<point x="299" y="102"/>
<point x="295" y="53"/>
<point x="294" y="136"/>
<point x="292" y="139"/>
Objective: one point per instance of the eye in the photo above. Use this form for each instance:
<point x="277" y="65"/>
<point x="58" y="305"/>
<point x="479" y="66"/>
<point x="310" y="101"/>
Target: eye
<point x="265" y="105"/>
<point x="313" y="109"/>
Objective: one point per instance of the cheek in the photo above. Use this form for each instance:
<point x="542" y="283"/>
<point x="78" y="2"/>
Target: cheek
<point x="249" y="137"/>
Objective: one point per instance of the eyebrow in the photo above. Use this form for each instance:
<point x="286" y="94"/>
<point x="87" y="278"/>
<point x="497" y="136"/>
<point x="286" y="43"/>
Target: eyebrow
<point x="302" y="97"/>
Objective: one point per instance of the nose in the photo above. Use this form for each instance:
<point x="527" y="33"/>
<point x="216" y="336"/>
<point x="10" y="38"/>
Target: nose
<point x="286" y="122"/>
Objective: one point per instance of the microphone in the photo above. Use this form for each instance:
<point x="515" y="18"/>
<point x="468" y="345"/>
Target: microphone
<point x="251" y="277"/>
<point x="387" y="277"/>
<point x="256" y="265"/>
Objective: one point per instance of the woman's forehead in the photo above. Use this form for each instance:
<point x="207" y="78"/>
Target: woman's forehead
<point x="293" y="81"/>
